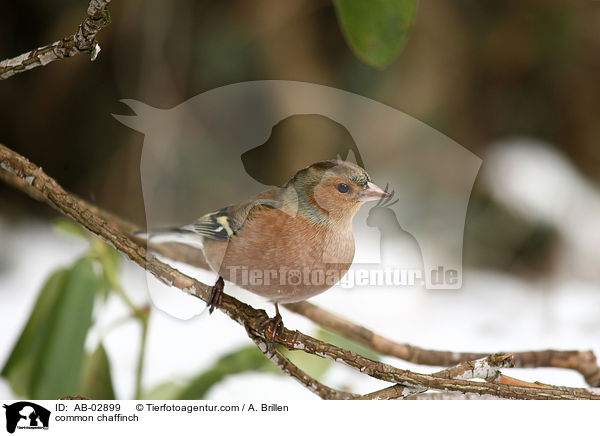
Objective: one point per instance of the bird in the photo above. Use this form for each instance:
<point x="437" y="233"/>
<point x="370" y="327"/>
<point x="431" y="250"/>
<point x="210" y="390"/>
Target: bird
<point x="287" y="243"/>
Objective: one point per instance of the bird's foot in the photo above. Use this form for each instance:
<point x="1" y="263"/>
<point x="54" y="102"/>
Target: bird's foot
<point x="275" y="330"/>
<point x="216" y="295"/>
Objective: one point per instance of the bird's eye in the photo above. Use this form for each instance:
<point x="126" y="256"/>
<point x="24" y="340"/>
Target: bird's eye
<point x="343" y="188"/>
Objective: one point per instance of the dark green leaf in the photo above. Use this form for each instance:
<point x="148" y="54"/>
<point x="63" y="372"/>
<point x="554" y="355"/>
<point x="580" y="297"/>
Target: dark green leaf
<point x="246" y="359"/>
<point x="96" y="382"/>
<point x="376" y="30"/>
<point x="60" y="360"/>
<point x="19" y="368"/>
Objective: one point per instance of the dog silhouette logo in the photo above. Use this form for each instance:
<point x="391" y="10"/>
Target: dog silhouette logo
<point x="256" y="135"/>
<point x="26" y="415"/>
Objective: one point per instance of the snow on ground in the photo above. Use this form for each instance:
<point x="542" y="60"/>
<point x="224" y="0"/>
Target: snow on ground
<point x="492" y="312"/>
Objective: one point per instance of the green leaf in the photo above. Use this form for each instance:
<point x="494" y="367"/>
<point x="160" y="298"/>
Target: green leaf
<point x="348" y="344"/>
<point x="165" y="391"/>
<point x="314" y="366"/>
<point x="376" y="30"/>
<point x="19" y="369"/>
<point x="59" y="362"/>
<point x="96" y="382"/>
<point x="69" y="226"/>
<point x="245" y="359"/>
<point x="110" y="259"/>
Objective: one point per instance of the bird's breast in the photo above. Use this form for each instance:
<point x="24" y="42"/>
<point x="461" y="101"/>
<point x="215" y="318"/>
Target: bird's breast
<point x="283" y="257"/>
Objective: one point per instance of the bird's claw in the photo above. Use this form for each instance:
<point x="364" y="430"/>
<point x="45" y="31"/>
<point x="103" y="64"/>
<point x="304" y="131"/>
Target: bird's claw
<point x="276" y="330"/>
<point x="216" y="295"/>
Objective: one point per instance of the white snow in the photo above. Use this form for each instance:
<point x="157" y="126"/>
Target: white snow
<point x="493" y="312"/>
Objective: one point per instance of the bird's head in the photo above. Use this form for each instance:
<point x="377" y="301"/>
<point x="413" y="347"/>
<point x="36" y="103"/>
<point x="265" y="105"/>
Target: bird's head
<point x="334" y="190"/>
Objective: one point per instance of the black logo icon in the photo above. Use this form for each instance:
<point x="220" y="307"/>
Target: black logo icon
<point x="26" y="415"/>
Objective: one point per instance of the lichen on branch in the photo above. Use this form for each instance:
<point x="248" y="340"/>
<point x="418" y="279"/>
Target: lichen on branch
<point x="82" y="41"/>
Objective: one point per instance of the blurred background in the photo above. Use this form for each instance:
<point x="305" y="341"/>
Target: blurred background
<point x="515" y="82"/>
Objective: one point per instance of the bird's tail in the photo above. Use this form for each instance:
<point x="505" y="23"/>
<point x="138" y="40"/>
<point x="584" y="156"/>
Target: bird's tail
<point x="173" y="234"/>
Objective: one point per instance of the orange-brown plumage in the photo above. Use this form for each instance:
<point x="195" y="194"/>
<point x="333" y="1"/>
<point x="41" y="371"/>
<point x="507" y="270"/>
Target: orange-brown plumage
<point x="299" y="245"/>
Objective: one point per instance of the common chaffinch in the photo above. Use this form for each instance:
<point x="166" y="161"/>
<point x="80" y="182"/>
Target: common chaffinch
<point x="287" y="243"/>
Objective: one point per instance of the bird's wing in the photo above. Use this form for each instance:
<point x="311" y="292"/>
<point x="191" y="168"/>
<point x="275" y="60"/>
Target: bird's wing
<point x="223" y="223"/>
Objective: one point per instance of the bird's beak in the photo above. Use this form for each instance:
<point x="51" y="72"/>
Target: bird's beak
<point x="372" y="192"/>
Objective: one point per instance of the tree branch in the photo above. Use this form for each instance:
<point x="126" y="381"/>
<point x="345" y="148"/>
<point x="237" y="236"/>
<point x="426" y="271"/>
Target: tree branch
<point x="487" y="368"/>
<point x="286" y="366"/>
<point x="584" y="362"/>
<point x="84" y="40"/>
<point x="28" y="177"/>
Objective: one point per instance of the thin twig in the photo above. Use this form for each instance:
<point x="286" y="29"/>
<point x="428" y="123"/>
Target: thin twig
<point x="487" y="368"/>
<point x="450" y="396"/>
<point x="286" y="366"/>
<point x="83" y="40"/>
<point x="584" y="362"/>
<point x="46" y="189"/>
